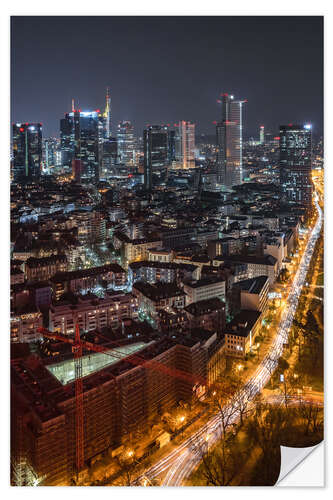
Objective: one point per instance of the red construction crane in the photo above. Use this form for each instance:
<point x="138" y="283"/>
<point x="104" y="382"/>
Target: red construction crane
<point x="77" y="349"/>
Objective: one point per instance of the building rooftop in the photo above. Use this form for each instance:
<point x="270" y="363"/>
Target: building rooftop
<point x="158" y="291"/>
<point x="204" y="306"/>
<point x="204" y="282"/>
<point x="242" y="323"/>
<point x="45" y="261"/>
<point x="253" y="285"/>
<point x="248" y="259"/>
<point x="84" y="273"/>
<point x="161" y="265"/>
<point x="93" y="362"/>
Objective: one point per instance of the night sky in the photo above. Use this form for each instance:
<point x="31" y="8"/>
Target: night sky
<point x="163" y="69"/>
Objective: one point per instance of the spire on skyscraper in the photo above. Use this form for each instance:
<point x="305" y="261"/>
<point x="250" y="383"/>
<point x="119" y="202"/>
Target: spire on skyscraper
<point x="107" y="113"/>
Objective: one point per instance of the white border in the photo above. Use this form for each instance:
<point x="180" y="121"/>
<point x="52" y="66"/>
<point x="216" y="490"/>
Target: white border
<point x="131" y="7"/>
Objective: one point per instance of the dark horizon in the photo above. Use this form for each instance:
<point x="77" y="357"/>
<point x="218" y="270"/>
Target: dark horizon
<point x="164" y="69"/>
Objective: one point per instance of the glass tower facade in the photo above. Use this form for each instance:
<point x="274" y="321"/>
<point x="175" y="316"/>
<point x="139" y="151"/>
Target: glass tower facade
<point x="296" y="163"/>
<point x="126" y="143"/>
<point x="80" y="141"/>
<point x="156" y="154"/>
<point x="185" y="144"/>
<point x="27" y="151"/>
<point x="229" y="142"/>
<point x="66" y="140"/>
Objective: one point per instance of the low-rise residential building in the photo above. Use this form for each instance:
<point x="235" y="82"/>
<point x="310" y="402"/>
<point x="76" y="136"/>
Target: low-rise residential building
<point x="156" y="255"/>
<point x="208" y="314"/>
<point x="154" y="297"/>
<point x="167" y="272"/>
<point x="45" y="267"/>
<point x="85" y="280"/>
<point x="224" y="246"/>
<point x="136" y="249"/>
<point x="92" y="313"/>
<point x="24" y="325"/>
<point x="241" y="332"/>
<point x="256" y="266"/>
<point x="254" y="293"/>
<point x="205" y="289"/>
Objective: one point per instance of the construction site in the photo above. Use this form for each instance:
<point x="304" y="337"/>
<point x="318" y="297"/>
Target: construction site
<point x="88" y="397"/>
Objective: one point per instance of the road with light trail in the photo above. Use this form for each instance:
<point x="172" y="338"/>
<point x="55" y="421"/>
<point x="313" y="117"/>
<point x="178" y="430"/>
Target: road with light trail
<point x="179" y="464"/>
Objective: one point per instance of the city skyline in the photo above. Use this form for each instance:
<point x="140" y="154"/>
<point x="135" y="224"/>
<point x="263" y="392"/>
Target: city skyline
<point x="166" y="249"/>
<point x="232" y="59"/>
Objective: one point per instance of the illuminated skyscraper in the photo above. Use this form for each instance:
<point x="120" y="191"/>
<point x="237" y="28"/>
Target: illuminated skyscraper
<point x="296" y="163"/>
<point x="107" y="114"/>
<point x="27" y="151"/>
<point x="262" y="134"/>
<point x="80" y="144"/>
<point x="110" y="157"/>
<point x="66" y="140"/>
<point x="125" y="139"/>
<point x="229" y="138"/>
<point x="156" y="154"/>
<point x="185" y="144"/>
<point x="86" y="143"/>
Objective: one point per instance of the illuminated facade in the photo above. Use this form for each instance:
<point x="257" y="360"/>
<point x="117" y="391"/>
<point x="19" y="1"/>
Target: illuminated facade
<point x="79" y="136"/>
<point x="27" y="151"/>
<point x="66" y="141"/>
<point x="262" y="134"/>
<point x="125" y="139"/>
<point x="229" y="138"/>
<point x="107" y="115"/>
<point x="156" y="154"/>
<point x="295" y="163"/>
<point x="185" y="144"/>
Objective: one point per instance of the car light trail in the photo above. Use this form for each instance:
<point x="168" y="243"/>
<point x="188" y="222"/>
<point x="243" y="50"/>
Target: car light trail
<point x="182" y="460"/>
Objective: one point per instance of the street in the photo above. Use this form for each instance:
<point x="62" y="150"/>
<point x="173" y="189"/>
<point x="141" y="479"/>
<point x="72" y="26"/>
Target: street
<point x="179" y="464"/>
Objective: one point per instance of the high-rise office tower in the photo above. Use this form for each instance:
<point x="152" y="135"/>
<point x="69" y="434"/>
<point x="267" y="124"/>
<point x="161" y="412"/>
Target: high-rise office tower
<point x="296" y="163"/>
<point x="50" y="152"/>
<point x="79" y="135"/>
<point x="262" y="134"/>
<point x="107" y="115"/>
<point x="229" y="138"/>
<point x="27" y="151"/>
<point x="126" y="143"/>
<point x="156" y="154"/>
<point x="172" y="146"/>
<point x="185" y="144"/>
<point x="67" y="140"/>
<point x="87" y="144"/>
<point x="110" y="156"/>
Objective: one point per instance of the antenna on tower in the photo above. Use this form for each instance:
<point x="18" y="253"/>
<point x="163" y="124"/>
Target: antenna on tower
<point x="73" y="107"/>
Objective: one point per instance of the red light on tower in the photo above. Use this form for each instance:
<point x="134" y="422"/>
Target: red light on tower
<point x="21" y="129"/>
<point x="98" y="111"/>
<point x="290" y="125"/>
<point x="214" y="122"/>
<point x="277" y="138"/>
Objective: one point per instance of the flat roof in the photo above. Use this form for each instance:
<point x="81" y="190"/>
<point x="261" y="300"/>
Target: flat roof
<point x="91" y="363"/>
<point x="253" y="285"/>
